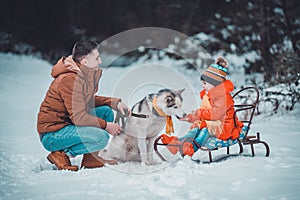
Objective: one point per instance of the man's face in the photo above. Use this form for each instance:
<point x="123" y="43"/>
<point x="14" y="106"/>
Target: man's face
<point x="93" y="60"/>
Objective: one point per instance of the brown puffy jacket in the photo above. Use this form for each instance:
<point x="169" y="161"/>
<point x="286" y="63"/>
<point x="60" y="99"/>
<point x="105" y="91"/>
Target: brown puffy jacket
<point x="222" y="108"/>
<point x="70" y="97"/>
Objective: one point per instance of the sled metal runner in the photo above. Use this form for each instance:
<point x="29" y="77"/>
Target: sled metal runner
<point x="247" y="109"/>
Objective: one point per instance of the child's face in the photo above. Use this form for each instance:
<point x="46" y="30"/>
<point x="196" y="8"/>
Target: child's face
<point x="207" y="86"/>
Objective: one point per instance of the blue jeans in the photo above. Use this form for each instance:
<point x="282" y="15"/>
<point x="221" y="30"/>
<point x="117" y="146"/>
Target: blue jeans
<point x="77" y="140"/>
<point x="199" y="135"/>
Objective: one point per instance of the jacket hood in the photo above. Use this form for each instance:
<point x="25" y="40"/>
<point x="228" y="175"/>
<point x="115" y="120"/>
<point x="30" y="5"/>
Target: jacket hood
<point x="228" y="85"/>
<point x="65" y="65"/>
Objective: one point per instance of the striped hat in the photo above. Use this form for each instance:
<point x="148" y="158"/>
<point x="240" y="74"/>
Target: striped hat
<point x="216" y="72"/>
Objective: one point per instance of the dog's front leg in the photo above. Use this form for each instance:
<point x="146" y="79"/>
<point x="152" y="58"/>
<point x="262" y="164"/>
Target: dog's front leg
<point x="142" y="144"/>
<point x="150" y="146"/>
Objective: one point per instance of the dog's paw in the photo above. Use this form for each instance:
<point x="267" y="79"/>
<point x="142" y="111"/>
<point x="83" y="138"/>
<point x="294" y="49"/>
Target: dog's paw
<point x="150" y="162"/>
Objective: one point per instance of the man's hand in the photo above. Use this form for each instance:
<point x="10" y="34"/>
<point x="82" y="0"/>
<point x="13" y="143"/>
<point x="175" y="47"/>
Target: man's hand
<point x="124" y="109"/>
<point x="113" y="128"/>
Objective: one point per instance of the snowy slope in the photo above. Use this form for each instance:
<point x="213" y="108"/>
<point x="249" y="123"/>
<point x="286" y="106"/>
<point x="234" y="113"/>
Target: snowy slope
<point x="26" y="174"/>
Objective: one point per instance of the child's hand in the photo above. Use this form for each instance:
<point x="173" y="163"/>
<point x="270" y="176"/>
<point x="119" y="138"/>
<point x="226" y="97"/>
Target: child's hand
<point x="186" y="119"/>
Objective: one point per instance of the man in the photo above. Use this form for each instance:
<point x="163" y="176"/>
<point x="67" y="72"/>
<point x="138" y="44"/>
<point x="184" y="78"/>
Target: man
<point x="72" y="119"/>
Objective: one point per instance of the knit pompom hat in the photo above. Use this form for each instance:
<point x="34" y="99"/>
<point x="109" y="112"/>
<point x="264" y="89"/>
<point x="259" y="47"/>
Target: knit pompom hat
<point x="216" y="72"/>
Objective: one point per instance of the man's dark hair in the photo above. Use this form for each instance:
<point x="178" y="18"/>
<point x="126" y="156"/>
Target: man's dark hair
<point x="83" y="48"/>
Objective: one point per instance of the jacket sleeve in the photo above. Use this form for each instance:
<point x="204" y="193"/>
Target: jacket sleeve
<point x="108" y="101"/>
<point x="71" y="90"/>
<point x="217" y="111"/>
<point x="194" y="116"/>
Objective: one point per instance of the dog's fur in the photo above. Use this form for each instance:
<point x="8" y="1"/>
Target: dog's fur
<point x="136" y="143"/>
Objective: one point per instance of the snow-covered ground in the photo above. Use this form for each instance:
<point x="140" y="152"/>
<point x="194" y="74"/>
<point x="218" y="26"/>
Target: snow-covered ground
<point x="26" y="174"/>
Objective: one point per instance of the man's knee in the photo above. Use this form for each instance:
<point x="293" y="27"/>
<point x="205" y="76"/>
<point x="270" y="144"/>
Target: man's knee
<point x="105" y="112"/>
<point x="110" y="115"/>
<point x="93" y="135"/>
<point x="101" y="137"/>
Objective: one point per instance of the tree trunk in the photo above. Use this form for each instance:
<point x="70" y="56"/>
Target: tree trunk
<point x="265" y="39"/>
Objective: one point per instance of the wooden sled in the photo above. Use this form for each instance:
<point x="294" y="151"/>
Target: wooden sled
<point x="246" y="101"/>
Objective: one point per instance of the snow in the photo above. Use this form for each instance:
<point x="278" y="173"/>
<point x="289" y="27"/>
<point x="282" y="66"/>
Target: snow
<point x="26" y="174"/>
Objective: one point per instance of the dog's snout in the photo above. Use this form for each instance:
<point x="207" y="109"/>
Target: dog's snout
<point x="183" y="115"/>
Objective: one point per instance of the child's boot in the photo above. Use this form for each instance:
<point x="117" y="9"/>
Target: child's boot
<point x="188" y="149"/>
<point x="172" y="143"/>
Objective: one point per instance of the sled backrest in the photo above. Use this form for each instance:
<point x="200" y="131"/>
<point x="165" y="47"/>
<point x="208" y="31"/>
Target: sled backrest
<point x="245" y="102"/>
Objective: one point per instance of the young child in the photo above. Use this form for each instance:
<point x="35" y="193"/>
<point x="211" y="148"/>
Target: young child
<point x="214" y="118"/>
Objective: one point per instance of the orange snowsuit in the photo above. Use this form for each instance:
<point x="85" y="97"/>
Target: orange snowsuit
<point x="216" y="112"/>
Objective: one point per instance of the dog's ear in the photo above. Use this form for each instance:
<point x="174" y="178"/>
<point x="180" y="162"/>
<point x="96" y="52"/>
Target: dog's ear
<point x="180" y="91"/>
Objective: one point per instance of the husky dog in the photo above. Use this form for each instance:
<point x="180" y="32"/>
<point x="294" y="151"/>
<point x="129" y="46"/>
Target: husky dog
<point x="136" y="143"/>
